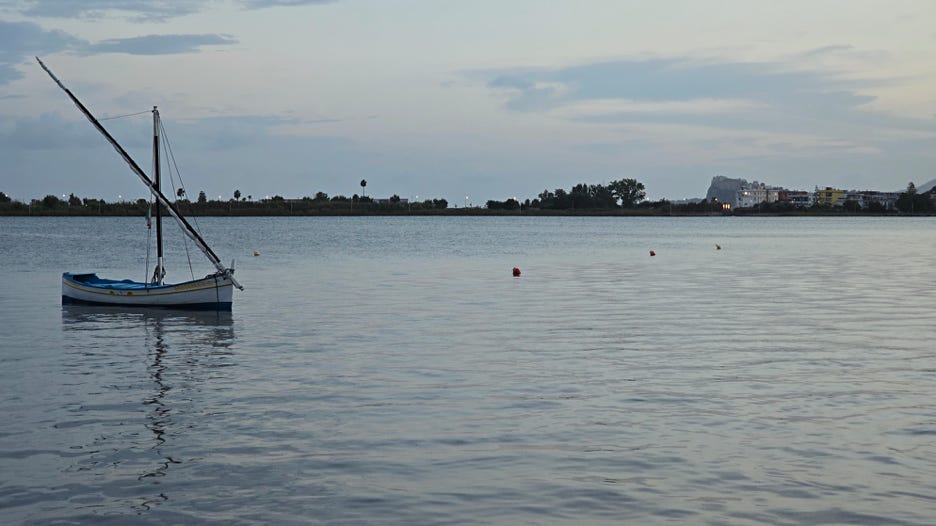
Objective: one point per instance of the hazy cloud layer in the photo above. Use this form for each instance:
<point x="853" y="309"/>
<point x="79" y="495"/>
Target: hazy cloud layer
<point x="757" y="93"/>
<point x="51" y="131"/>
<point x="213" y="153"/>
<point x="158" y="44"/>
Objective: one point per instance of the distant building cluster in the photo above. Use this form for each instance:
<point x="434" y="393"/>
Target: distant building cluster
<point x="739" y="193"/>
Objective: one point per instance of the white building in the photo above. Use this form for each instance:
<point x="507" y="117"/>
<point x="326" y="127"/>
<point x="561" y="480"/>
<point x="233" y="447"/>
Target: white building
<point x="799" y="198"/>
<point x="756" y="193"/>
<point x="865" y="198"/>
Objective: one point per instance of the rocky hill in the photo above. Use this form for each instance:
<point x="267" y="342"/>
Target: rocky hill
<point x="724" y="188"/>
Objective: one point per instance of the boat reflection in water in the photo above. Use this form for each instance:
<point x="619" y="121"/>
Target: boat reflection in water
<point x="157" y="370"/>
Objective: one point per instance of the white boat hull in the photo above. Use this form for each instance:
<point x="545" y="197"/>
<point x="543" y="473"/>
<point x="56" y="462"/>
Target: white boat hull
<point x="214" y="292"/>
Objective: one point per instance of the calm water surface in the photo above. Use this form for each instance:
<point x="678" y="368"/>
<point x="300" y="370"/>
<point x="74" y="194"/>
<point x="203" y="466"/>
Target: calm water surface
<point x="391" y="371"/>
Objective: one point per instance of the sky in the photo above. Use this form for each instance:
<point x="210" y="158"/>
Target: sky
<point x="469" y="100"/>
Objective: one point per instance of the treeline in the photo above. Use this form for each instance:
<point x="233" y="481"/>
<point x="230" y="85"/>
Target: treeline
<point x="624" y="193"/>
<point x="621" y="197"/>
<point x="320" y="204"/>
<point x="913" y="202"/>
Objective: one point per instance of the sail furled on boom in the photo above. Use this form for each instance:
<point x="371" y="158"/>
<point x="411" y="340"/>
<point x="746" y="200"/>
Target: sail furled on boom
<point x="173" y="211"/>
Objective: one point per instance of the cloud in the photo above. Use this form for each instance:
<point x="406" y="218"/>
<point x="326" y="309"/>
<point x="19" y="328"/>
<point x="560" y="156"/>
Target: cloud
<point x="227" y="133"/>
<point x="19" y="41"/>
<point x="135" y="10"/>
<point x="158" y="44"/>
<point x="843" y="54"/>
<point x="740" y="95"/>
<point x="621" y="107"/>
<point x="657" y="80"/>
<point x="827" y="50"/>
<point x="46" y="132"/>
<point x="138" y="10"/>
<point x="262" y="4"/>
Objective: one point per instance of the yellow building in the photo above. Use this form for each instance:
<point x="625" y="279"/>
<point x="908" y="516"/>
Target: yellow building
<point x="829" y="196"/>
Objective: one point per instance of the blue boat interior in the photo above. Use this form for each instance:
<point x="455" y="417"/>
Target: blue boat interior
<point x="92" y="280"/>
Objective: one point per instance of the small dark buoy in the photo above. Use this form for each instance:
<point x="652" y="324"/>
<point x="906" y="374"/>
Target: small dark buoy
<point x="652" y="253"/>
<point x="516" y="272"/>
<point x="717" y="247"/>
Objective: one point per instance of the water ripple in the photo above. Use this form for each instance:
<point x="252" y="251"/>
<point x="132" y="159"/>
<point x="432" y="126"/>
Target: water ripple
<point x="405" y="377"/>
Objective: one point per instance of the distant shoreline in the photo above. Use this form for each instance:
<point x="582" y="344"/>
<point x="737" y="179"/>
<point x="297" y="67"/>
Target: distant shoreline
<point x="473" y="212"/>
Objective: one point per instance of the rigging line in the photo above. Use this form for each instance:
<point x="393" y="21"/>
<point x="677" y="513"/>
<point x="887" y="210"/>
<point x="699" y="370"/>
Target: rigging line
<point x="122" y="116"/>
<point x="167" y="149"/>
<point x="149" y="241"/>
<point x="178" y="172"/>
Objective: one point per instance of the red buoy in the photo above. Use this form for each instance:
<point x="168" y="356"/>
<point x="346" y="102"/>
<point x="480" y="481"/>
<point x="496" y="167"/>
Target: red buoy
<point x="652" y="253"/>
<point x="516" y="272"/>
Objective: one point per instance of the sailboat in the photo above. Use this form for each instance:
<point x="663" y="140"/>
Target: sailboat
<point x="215" y="291"/>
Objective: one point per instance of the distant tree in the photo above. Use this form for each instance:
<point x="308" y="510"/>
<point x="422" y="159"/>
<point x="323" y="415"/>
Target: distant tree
<point x="50" y="201"/>
<point x="394" y="199"/>
<point x="237" y="195"/>
<point x="180" y="193"/>
<point x="852" y="205"/>
<point x="563" y="200"/>
<point x="321" y="196"/>
<point x="913" y="202"/>
<point x="202" y="198"/>
<point x="661" y="204"/>
<point x="629" y="191"/>
<point x="73" y="200"/>
<point x="509" y="204"/>
<point x="4" y="198"/>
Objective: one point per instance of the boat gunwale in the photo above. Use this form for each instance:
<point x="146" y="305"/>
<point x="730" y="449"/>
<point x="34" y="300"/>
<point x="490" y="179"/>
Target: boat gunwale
<point x="211" y="282"/>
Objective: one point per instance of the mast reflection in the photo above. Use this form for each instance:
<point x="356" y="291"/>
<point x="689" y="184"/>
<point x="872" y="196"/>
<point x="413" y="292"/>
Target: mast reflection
<point x="184" y="349"/>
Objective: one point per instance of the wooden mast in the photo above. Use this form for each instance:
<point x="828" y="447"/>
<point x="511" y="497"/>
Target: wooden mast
<point x="160" y="272"/>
